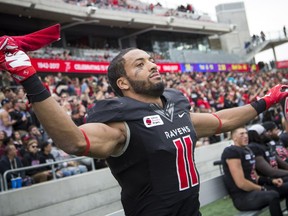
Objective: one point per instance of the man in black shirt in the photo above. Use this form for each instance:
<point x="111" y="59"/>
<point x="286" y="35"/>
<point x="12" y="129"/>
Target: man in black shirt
<point x="248" y="190"/>
<point x="276" y="144"/>
<point x="268" y="163"/>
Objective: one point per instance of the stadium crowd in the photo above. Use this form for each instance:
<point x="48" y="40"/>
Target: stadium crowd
<point x="82" y="52"/>
<point x="182" y="11"/>
<point x="23" y="136"/>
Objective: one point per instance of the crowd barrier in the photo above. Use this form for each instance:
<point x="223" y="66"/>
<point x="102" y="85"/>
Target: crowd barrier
<point x="1" y="183"/>
<point x="4" y="186"/>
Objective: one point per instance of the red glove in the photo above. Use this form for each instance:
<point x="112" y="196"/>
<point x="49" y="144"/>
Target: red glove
<point x="275" y="95"/>
<point x="284" y="104"/>
<point x="38" y="39"/>
<point x="7" y="43"/>
<point x="16" y="62"/>
<point x="32" y="41"/>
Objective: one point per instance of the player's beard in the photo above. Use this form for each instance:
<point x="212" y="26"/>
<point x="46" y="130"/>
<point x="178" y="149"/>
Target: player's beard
<point x="147" y="88"/>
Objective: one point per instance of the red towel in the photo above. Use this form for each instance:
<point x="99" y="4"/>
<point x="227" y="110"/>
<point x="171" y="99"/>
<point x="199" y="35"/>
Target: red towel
<point x="38" y="39"/>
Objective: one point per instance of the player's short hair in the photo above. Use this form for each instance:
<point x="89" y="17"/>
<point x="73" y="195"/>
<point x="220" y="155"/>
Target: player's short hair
<point x="116" y="70"/>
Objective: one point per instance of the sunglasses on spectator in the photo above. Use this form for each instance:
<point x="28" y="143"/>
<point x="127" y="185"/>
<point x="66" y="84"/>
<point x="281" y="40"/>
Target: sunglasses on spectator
<point x="34" y="146"/>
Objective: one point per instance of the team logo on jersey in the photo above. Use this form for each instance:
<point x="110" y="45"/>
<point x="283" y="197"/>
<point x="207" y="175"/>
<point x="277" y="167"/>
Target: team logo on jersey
<point x="152" y="121"/>
<point x="247" y="156"/>
<point x="167" y="113"/>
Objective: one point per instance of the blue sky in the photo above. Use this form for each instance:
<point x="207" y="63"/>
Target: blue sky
<point x="262" y="15"/>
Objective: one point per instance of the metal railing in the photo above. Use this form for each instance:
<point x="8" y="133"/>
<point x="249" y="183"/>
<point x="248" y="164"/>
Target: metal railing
<point x="52" y="164"/>
<point x="1" y="182"/>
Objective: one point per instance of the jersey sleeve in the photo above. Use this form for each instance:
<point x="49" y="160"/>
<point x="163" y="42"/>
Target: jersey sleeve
<point x="230" y="153"/>
<point x="116" y="110"/>
<point x="104" y="111"/>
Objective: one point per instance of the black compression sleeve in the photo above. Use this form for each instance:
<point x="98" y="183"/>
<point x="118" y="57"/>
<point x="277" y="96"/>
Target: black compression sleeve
<point x="35" y="90"/>
<point x="259" y="106"/>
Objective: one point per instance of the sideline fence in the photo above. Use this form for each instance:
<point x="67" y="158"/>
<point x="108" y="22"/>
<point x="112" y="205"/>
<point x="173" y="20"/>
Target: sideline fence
<point x="52" y="164"/>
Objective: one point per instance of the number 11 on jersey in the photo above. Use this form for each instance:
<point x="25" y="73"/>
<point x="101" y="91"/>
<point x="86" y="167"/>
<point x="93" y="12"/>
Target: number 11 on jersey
<point x="187" y="175"/>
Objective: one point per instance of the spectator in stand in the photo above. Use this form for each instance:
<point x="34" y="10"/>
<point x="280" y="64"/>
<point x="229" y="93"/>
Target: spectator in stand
<point x="85" y="87"/>
<point x="32" y="158"/>
<point x="3" y="142"/>
<point x="61" y="87"/>
<point x="263" y="36"/>
<point x="273" y="114"/>
<point x="16" y="138"/>
<point x="71" y="167"/>
<point x="77" y="105"/>
<point x="248" y="190"/>
<point x="100" y="93"/>
<point x="6" y="80"/>
<point x="229" y="100"/>
<point x="23" y="149"/>
<point x="189" y="8"/>
<point x="76" y="117"/>
<point x="8" y="93"/>
<point x="20" y="94"/>
<point x="64" y="103"/>
<point x="6" y="122"/>
<point x="45" y="156"/>
<point x="71" y="88"/>
<point x="36" y="133"/>
<point x="10" y="161"/>
<point x="17" y="113"/>
<point x="151" y="7"/>
<point x="203" y="103"/>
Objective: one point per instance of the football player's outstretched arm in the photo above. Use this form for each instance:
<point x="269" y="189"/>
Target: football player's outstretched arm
<point x="104" y="139"/>
<point x="207" y="124"/>
<point x="95" y="139"/>
<point x="228" y="119"/>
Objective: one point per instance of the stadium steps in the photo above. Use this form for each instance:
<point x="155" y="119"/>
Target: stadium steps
<point x="254" y="51"/>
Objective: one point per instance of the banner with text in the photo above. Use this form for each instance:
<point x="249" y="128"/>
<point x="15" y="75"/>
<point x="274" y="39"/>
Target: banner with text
<point x="282" y="64"/>
<point x="51" y="65"/>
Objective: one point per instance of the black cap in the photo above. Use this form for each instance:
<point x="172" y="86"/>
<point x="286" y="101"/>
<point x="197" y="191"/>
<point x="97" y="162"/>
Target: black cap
<point x="5" y="101"/>
<point x="269" y="125"/>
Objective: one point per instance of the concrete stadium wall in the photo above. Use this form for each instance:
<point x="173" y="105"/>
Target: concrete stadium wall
<point x="92" y="193"/>
<point x="204" y="158"/>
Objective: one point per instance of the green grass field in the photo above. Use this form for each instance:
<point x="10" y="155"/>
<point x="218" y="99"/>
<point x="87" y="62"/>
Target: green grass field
<point x="223" y="207"/>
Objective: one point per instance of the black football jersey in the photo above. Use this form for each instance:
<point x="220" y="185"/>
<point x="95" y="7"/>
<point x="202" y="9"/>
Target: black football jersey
<point x="265" y="150"/>
<point x="247" y="158"/>
<point x="157" y="169"/>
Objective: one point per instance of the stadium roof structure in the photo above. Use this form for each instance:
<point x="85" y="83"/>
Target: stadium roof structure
<point x="25" y="16"/>
<point x="37" y="14"/>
